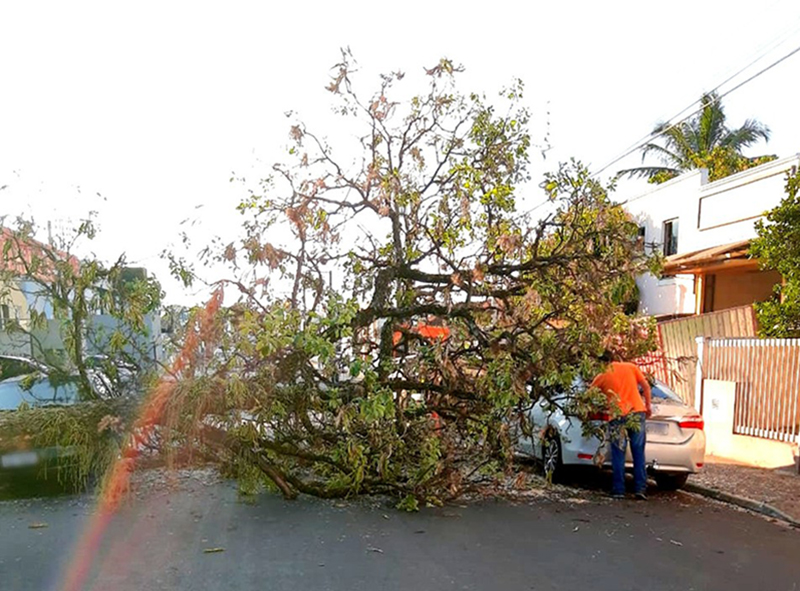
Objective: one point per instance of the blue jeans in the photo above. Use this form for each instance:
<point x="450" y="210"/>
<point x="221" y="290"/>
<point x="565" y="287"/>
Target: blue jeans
<point x="631" y="426"/>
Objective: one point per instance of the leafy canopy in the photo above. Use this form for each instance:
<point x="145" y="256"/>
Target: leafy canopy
<point x="778" y="247"/>
<point x="398" y="309"/>
<point x="64" y="291"/>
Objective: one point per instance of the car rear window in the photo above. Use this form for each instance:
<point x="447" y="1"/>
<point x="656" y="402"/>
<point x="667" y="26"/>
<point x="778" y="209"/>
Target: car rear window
<point x="41" y="393"/>
<point x="661" y="392"/>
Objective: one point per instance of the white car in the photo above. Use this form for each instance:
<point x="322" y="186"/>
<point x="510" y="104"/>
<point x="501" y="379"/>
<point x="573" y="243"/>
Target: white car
<point x="675" y="447"/>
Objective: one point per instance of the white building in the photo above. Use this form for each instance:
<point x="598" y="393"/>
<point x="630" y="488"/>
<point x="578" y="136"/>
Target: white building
<point x="704" y="229"/>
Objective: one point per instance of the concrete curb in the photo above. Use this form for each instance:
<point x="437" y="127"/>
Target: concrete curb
<point x="744" y="502"/>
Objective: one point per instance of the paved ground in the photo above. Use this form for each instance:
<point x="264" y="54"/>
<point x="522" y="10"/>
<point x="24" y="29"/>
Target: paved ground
<point x="779" y="488"/>
<point x="675" y="542"/>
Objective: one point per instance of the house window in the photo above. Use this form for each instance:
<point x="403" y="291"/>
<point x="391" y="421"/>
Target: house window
<point x="670" y="237"/>
<point x="640" y="236"/>
<point x="4" y="315"/>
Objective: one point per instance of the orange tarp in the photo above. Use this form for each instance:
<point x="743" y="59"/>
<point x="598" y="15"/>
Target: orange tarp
<point x="425" y="330"/>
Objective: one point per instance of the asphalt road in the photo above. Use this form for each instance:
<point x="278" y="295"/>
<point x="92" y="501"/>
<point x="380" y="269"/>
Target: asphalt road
<point x="675" y="542"/>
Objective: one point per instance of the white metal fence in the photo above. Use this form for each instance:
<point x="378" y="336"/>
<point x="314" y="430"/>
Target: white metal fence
<point x="767" y="377"/>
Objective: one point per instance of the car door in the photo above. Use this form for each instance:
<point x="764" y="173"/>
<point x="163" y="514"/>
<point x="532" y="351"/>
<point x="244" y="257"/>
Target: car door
<point x="545" y="414"/>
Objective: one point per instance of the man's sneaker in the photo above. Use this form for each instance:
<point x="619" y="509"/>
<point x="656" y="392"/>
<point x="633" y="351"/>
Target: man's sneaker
<point x="640" y="496"/>
<point x="618" y="496"/>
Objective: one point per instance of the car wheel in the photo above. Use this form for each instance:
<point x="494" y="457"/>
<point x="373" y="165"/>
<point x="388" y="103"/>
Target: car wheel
<point x="671" y="481"/>
<point x="551" y="458"/>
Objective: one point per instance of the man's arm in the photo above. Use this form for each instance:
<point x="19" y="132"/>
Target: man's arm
<point x="648" y="395"/>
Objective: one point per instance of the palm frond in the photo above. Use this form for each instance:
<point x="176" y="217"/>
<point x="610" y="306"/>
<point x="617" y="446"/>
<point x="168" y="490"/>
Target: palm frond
<point x="646" y="171"/>
<point x="749" y="133"/>
<point x="666" y="156"/>
<point x="710" y="124"/>
<point x="679" y="139"/>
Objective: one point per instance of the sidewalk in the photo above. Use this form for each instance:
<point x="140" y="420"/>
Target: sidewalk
<point x="778" y="488"/>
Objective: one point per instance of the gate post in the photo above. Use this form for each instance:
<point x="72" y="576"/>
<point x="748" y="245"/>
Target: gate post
<point x="698" y="375"/>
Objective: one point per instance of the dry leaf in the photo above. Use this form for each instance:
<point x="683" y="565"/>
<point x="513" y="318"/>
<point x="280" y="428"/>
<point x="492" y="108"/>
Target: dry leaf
<point x="37" y="525"/>
<point x="213" y="550"/>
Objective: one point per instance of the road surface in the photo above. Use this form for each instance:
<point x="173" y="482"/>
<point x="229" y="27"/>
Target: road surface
<point x="672" y="542"/>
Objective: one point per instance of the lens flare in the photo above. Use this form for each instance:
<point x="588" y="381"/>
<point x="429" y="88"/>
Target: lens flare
<point x="117" y="481"/>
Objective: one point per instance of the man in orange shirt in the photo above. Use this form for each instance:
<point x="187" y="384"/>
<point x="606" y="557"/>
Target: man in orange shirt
<point x="620" y="383"/>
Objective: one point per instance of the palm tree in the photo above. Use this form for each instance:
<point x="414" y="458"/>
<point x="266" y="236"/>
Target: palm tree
<point x="702" y="141"/>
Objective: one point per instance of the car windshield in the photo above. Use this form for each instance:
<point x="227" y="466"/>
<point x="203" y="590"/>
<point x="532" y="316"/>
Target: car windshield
<point x="41" y="393"/>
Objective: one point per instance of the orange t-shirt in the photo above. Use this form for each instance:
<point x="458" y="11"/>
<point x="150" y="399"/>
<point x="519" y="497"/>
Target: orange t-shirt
<point x="620" y="382"/>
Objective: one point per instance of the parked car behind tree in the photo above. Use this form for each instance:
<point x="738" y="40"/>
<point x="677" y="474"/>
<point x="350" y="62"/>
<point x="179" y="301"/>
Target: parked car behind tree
<point x="675" y="445"/>
<point x="50" y="429"/>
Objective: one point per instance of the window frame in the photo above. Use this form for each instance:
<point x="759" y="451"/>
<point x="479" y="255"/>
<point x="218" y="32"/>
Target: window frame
<point x="670" y="240"/>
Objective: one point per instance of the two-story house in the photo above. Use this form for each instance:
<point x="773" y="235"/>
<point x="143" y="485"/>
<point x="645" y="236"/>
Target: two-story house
<point x="704" y="230"/>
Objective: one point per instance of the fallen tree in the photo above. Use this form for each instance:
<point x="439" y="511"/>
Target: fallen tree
<point x="321" y="379"/>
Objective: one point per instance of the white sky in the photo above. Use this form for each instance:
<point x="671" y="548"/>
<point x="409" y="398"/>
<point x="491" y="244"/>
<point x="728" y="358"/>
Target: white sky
<point x="153" y="105"/>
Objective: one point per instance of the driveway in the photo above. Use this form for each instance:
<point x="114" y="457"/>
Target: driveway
<point x="675" y="542"/>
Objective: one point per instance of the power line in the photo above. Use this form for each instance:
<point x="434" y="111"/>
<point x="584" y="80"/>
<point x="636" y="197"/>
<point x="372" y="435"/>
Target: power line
<point x="761" y="55"/>
<point x="653" y="136"/>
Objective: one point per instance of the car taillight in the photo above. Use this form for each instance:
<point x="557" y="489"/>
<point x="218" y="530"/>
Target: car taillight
<point x="692" y="422"/>
<point x="598" y="416"/>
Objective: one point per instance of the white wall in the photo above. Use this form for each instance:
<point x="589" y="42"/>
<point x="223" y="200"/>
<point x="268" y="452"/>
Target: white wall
<point x="675" y="199"/>
<point x="718" y="407"/>
<point x="671" y="295"/>
<point x="728" y="208"/>
<point x="147" y="346"/>
<point x="708" y="214"/>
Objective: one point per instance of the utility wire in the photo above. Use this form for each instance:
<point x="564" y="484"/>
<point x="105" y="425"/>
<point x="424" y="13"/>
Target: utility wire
<point x="761" y="55"/>
<point x="653" y="136"/>
<point x="648" y="138"/>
